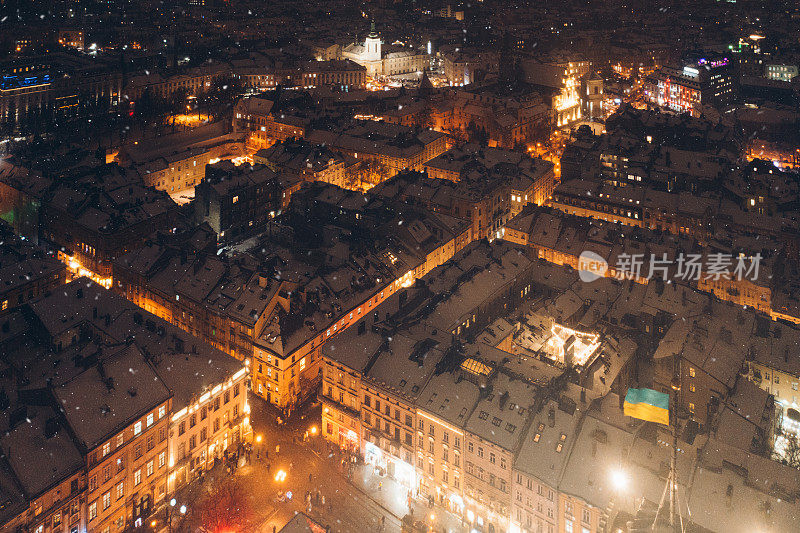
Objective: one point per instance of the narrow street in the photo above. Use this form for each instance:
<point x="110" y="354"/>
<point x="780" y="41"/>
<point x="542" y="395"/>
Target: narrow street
<point x="354" y="501"/>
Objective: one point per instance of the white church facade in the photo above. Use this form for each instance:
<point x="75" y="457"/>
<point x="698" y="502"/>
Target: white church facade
<point x="385" y="61"/>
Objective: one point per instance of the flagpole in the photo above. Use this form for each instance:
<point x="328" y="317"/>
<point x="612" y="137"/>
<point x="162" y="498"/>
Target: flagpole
<point x="672" y="478"/>
<point x="673" y="475"/>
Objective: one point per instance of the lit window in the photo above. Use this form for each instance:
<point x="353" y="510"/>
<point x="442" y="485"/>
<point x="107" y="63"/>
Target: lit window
<point x="137" y="428"/>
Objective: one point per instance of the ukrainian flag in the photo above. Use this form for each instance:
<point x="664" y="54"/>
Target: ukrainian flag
<point x="647" y="404"/>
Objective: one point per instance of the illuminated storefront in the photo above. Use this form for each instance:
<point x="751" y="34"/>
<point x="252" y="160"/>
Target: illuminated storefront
<point x="396" y="468"/>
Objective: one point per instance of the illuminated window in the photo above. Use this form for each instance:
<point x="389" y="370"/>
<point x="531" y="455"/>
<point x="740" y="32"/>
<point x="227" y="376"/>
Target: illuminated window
<point x="137" y="428"/>
<point x="691" y="371"/>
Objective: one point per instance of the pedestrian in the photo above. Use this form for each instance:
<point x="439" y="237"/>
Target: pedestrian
<point x="309" y="478"/>
<point x="268" y="466"/>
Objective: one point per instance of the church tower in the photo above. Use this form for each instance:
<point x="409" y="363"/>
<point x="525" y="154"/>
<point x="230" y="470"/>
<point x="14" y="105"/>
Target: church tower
<point x="372" y="46"/>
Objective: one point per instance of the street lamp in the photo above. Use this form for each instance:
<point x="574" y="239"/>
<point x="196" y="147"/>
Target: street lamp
<point x="258" y="438"/>
<point x="620" y="479"/>
<point x="172" y="503"/>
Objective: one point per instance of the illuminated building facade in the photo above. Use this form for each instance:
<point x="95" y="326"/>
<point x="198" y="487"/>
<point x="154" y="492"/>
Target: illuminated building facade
<point x="213" y="424"/>
<point x="59" y="84"/>
<point x="254" y="116"/>
<point x="341" y="400"/>
<point x="564" y="77"/>
<point x="703" y="82"/>
<point x="395" y="147"/>
<point x="110" y="448"/>
<point x="592" y="96"/>
<point x="385" y="61"/>
<point x="342" y="74"/>
<point x="177" y="162"/>
<point x="411" y="403"/>
<point x="781" y="72"/>
<point x="71" y="38"/>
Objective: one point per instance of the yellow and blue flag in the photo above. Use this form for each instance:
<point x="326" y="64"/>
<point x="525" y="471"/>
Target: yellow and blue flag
<point x="647" y="404"/>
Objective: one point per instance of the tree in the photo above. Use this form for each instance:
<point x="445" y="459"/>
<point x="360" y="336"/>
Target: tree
<point x="791" y="454"/>
<point x="226" y="507"/>
<point x="224" y="91"/>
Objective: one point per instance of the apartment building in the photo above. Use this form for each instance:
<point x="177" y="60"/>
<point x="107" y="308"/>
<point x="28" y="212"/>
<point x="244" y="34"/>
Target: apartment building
<point x="494" y="431"/>
<point x="122" y="421"/>
<point x="443" y="408"/>
<point x="396" y="147"/>
<point x="104" y="426"/>
<point x="304" y="161"/>
<point x="209" y="423"/>
<point x="239" y="200"/>
<point x="282" y="333"/>
<point x="101" y="213"/>
<point x="264" y="128"/>
<point x="486" y="187"/>
<point x="177" y="162"/>
<point x="508" y="439"/>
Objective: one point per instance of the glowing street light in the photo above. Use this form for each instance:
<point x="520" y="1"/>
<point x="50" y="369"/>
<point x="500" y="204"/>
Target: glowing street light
<point x="258" y="438"/>
<point x="619" y="478"/>
<point x="313" y="430"/>
<point x="183" y="509"/>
